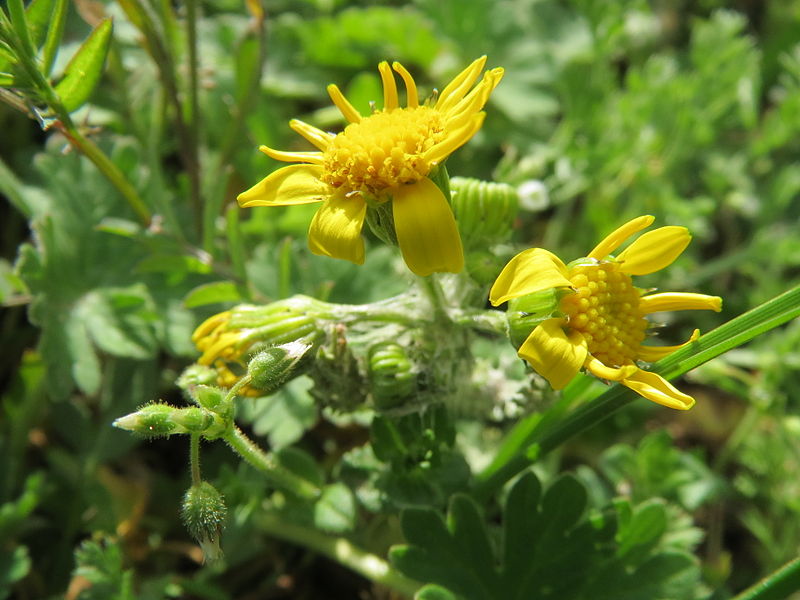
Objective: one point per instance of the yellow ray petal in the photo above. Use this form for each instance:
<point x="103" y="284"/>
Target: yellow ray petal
<point x="529" y="271"/>
<point x="319" y="138"/>
<point x="654" y="250"/>
<point x="654" y="353"/>
<point x="477" y="98"/>
<point x="348" y="110"/>
<point x="553" y="354"/>
<point x="210" y="324"/>
<point x="426" y="229"/>
<point x="412" y="97"/>
<point x="614" y="239"/>
<point x="296" y="157"/>
<point x="458" y="87"/>
<point x="679" y="301"/>
<point x="598" y="369"/>
<point x="390" y="101"/>
<point x="335" y="230"/>
<point x="455" y="139"/>
<point x="295" y="184"/>
<point x="657" y="389"/>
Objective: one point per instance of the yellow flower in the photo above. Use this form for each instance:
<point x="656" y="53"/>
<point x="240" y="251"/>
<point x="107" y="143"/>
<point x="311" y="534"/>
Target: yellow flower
<point x="604" y="316"/>
<point x="387" y="155"/>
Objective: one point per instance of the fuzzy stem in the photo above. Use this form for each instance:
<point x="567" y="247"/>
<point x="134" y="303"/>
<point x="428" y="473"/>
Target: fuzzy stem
<point x="342" y="551"/>
<point x="194" y="459"/>
<point x="268" y="465"/>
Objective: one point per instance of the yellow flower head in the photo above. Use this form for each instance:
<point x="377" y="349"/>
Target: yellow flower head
<point x="387" y="155"/>
<point x="604" y="316"/>
<point x="221" y="347"/>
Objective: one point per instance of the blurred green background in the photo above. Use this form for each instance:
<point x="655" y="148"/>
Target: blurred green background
<point x="689" y="111"/>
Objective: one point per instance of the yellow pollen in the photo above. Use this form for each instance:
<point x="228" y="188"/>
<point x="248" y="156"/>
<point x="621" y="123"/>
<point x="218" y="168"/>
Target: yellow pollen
<point x="605" y="310"/>
<point x="383" y="151"/>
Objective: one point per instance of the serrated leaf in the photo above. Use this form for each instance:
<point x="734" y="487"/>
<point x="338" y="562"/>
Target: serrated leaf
<point x="212" y="293"/>
<point x="335" y="511"/>
<point x="465" y="521"/>
<point x="85" y="68"/>
<point x="646" y="525"/>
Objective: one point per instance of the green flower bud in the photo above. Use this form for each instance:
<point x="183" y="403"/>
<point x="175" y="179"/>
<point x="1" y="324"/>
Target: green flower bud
<point x="196" y="375"/>
<point x="203" y="513"/>
<point x="392" y="375"/>
<point x="526" y="312"/>
<point x="152" y="420"/>
<point x="272" y="367"/>
<point x="157" y="420"/>
<point x="208" y="397"/>
<point x="485" y="210"/>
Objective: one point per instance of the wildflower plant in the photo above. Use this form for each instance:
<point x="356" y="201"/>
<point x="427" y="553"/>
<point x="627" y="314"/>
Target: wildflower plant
<point x="414" y="385"/>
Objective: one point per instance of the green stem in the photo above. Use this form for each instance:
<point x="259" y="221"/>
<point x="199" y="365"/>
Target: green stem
<point x="777" y="585"/>
<point x="541" y="434"/>
<point x="342" y="551"/>
<point x="430" y="286"/>
<point x="107" y="168"/>
<point x="192" y="115"/>
<point x="194" y="459"/>
<point x="268" y="465"/>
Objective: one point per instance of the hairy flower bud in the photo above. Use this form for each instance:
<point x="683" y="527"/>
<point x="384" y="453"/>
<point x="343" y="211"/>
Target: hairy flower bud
<point x="392" y="375"/>
<point x="157" y="420"/>
<point x="204" y="512"/>
<point x="272" y="367"/>
<point x="485" y="210"/>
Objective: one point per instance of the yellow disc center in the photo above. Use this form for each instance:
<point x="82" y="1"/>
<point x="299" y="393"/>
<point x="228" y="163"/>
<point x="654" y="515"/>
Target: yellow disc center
<point x="605" y="310"/>
<point x="383" y="151"/>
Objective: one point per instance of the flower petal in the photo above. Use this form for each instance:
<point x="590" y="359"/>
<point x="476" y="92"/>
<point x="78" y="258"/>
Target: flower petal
<point x="598" y="369"/>
<point x="335" y="230"/>
<point x="679" y="301"/>
<point x="657" y="389"/>
<point x="426" y="229"/>
<point x="390" y="101"/>
<point x="529" y="271"/>
<point x="348" y="110"/>
<point x="553" y="354"/>
<point x="412" y="97"/>
<point x="453" y="139"/>
<point x="653" y="353"/>
<point x="614" y="239"/>
<point x="654" y="250"/>
<point x="295" y="184"/>
<point x="319" y="138"/>
<point x="296" y="157"/>
<point x="458" y="87"/>
<point x="479" y="95"/>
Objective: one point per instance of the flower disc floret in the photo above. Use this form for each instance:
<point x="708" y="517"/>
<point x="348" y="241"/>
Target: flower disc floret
<point x="383" y="151"/>
<point x="601" y="320"/>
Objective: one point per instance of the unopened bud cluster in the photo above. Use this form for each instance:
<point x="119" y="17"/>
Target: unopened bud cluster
<point x="485" y="210"/>
<point x="393" y="378"/>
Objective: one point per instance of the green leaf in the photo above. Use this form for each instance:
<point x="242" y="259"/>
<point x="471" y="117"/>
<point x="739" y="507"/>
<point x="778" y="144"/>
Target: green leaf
<point x="301" y="464"/>
<point x="646" y="525"/>
<point x="213" y="293"/>
<point x="85" y="68"/>
<point x="335" y="511"/>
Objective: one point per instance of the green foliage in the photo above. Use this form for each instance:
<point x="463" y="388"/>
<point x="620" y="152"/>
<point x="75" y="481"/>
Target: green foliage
<point x="548" y="548"/>
<point x="123" y="151"/>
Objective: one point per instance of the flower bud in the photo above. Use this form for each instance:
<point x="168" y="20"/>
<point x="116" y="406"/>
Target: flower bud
<point x="485" y="210"/>
<point x="392" y="375"/>
<point x="272" y="367"/>
<point x="203" y="512"/>
<point x="157" y="420"/>
<point x="196" y="375"/>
